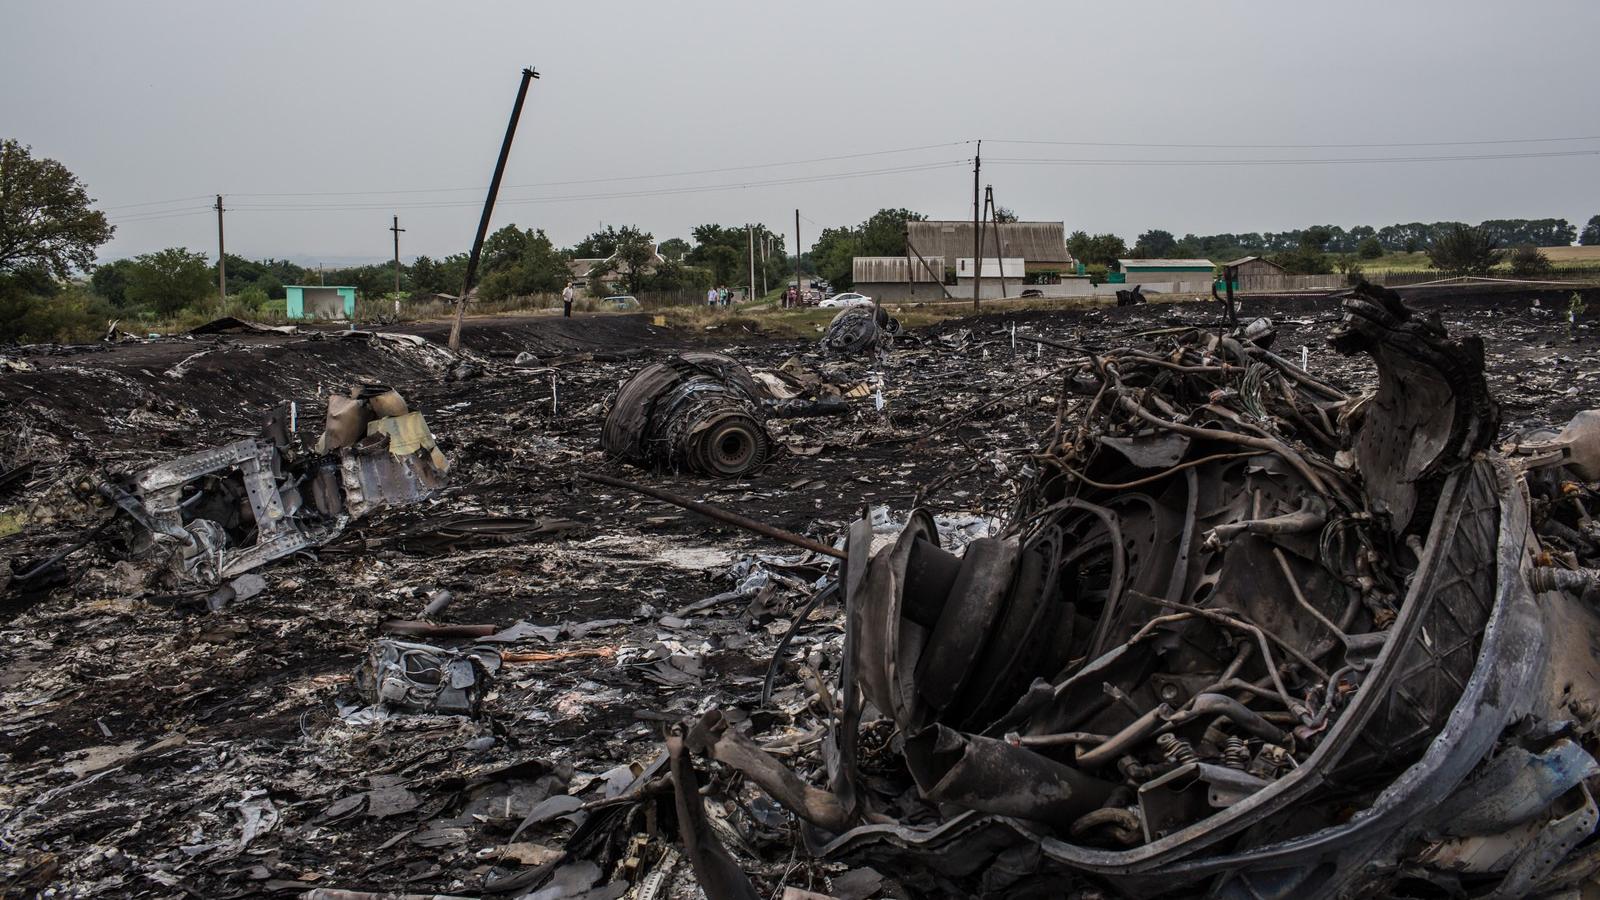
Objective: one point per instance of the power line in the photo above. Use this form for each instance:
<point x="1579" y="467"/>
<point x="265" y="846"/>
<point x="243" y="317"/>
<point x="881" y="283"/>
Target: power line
<point x="1389" y="145"/>
<point x="715" y="171"/>
<point x="151" y="217"/>
<point x="1347" y="160"/>
<point x="657" y="192"/>
<point x="159" y="202"/>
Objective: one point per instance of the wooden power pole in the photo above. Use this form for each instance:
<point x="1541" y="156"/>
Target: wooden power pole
<point x="396" y="229"/>
<point x="222" y="257"/>
<point x="528" y="75"/>
<point x="750" y="234"/>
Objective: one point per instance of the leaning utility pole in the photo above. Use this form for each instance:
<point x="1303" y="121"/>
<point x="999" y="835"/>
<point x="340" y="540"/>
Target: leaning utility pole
<point x="222" y="261"/>
<point x="989" y="216"/>
<point x="797" y="257"/>
<point x="396" y="229"/>
<point x="750" y="234"/>
<point x="488" y="207"/>
<point x="977" y="231"/>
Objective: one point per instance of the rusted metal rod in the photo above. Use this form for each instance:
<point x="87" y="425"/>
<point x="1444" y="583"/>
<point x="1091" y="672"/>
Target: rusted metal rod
<point x="717" y="514"/>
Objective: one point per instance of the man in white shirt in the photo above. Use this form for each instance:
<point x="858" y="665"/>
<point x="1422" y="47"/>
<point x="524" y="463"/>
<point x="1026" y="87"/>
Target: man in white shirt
<point x="711" y="297"/>
<point x="566" y="301"/>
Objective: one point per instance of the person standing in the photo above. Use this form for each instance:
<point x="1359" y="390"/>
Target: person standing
<point x="566" y="301"/>
<point x="711" y="297"/>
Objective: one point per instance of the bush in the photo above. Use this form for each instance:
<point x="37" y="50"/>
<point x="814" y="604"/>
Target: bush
<point x="1369" y="248"/>
<point x="72" y="316"/>
<point x="1527" y="262"/>
<point x="252" y="298"/>
<point x="1464" y="250"/>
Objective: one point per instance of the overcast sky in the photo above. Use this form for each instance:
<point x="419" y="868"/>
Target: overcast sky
<point x="340" y="114"/>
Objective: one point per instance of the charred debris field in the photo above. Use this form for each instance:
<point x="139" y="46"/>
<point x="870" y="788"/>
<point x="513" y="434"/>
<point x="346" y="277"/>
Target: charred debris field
<point x="1300" y="606"/>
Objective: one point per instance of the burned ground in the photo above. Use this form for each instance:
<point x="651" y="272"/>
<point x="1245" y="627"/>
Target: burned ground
<point x="153" y="748"/>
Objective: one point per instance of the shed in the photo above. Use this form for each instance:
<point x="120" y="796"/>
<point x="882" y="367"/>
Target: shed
<point x="1255" y="265"/>
<point x="319" y="301"/>
<point x="892" y="269"/>
<point x="1171" y="271"/>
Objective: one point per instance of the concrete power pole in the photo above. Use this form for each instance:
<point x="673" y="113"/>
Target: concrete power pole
<point x="750" y="234"/>
<point x="977" y="231"/>
<point x="528" y="74"/>
<point x="797" y="256"/>
<point x="396" y="229"/>
<point x="222" y="260"/>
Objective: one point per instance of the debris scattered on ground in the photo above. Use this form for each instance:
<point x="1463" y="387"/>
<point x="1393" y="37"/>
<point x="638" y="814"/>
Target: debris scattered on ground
<point x="212" y="740"/>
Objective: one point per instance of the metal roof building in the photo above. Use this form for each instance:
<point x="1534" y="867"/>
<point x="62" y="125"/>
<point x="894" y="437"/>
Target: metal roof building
<point x="1042" y="244"/>
<point x="879" y="269"/>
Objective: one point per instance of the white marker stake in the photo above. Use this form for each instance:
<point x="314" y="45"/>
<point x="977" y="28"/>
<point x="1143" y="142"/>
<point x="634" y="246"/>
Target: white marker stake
<point x="1305" y="357"/>
<point x="552" y="394"/>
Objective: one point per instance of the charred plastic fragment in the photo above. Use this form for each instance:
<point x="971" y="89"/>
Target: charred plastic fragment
<point x="699" y="412"/>
<point x="860" y="329"/>
<point x="1245" y="635"/>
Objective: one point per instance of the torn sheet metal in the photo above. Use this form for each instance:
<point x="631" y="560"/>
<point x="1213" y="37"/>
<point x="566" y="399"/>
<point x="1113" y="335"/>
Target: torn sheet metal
<point x="212" y="515"/>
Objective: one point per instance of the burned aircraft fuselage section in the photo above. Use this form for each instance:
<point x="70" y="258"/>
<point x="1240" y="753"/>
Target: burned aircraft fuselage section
<point x="699" y="412"/>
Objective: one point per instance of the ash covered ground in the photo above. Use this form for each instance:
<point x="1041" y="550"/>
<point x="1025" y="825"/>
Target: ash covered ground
<point x="153" y="747"/>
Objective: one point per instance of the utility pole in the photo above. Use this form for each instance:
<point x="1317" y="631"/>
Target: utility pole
<point x="765" y="240"/>
<point x="528" y="75"/>
<point x="977" y="231"/>
<point x="222" y="260"/>
<point x="994" y="228"/>
<point x="750" y="233"/>
<point x="797" y="257"/>
<point x="396" y="229"/>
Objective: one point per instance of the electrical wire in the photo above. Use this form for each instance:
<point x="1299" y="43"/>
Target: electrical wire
<point x="1324" y="161"/>
<point x="657" y="192"/>
<point x="577" y="181"/>
<point x="1388" y="145"/>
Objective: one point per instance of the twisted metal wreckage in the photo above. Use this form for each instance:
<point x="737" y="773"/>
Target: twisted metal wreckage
<point x="1244" y="635"/>
<point x="217" y="514"/>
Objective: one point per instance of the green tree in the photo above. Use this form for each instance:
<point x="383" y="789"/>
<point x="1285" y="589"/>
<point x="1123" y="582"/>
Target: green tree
<point x="1099" y="249"/>
<point x="1004" y="215"/>
<point x="673" y="249"/>
<point x="1155" y="244"/>
<point x="834" y="253"/>
<point x="1463" y="250"/>
<point x="885" y="233"/>
<point x="45" y="219"/>
<point x="635" y="250"/>
<point x="598" y="245"/>
<point x="1527" y="262"/>
<point x="1369" y="248"/>
<point x="525" y="263"/>
<point x="110" y="280"/>
<point x="1591" y="233"/>
<point x="169" y="280"/>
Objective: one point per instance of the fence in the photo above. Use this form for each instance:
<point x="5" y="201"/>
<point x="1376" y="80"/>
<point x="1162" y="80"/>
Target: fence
<point x="1272" y="284"/>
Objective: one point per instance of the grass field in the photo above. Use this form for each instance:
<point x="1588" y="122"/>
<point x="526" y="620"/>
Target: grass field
<point x="1560" y="257"/>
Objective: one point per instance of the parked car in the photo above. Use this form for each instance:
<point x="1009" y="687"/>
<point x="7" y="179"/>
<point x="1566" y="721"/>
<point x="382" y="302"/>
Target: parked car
<point x="1033" y="292"/>
<point x="621" y="301"/>
<point x="848" y="299"/>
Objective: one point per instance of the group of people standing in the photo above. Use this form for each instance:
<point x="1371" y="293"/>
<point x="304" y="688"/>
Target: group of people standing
<point x="719" y="296"/>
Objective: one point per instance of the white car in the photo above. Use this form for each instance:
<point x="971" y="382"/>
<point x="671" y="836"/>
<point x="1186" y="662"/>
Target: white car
<point x="840" y="300"/>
